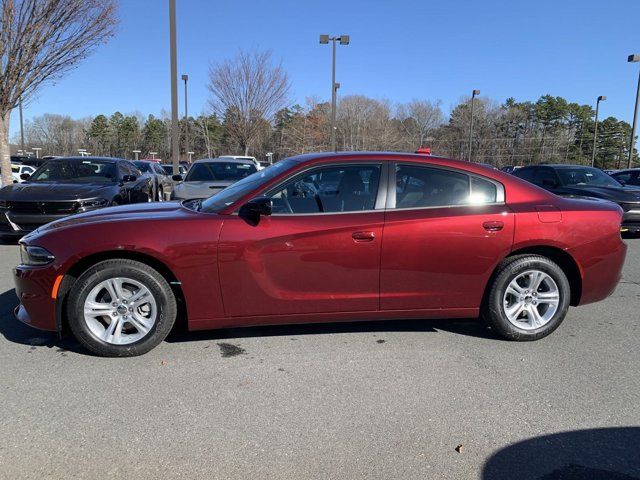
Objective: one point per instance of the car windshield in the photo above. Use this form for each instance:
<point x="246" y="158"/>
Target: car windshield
<point x="229" y="195"/>
<point x="143" y="166"/>
<point x="219" y="171"/>
<point x="586" y="177"/>
<point x="76" y="171"/>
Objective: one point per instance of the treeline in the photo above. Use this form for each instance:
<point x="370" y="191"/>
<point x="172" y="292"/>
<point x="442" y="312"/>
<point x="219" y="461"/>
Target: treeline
<point x="550" y="129"/>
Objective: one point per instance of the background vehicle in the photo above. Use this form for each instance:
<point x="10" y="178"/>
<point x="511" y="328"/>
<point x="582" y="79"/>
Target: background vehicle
<point x="162" y="184"/>
<point x="65" y="186"/>
<point x="242" y="157"/>
<point x="578" y="180"/>
<point x="510" y="168"/>
<point x="325" y="237"/>
<point x="17" y="170"/>
<point x="168" y="169"/>
<point x="629" y="177"/>
<point x="210" y="175"/>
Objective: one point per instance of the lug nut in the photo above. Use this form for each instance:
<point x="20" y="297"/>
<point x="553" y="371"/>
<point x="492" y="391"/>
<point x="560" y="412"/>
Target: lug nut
<point x="115" y="314"/>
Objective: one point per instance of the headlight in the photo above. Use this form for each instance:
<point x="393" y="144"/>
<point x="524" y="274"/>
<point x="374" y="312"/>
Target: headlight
<point x="34" y="256"/>
<point x="94" y="203"/>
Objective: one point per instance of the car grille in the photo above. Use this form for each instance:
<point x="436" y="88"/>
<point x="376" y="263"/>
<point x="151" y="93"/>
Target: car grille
<point x="43" y="208"/>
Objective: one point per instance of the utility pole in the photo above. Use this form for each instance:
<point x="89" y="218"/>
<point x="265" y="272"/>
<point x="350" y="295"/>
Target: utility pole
<point x="21" y="126"/>
<point x="175" y="134"/>
<point x="473" y="97"/>
<point x="595" y="130"/>
<point x="344" y="40"/>
<point x="186" y="115"/>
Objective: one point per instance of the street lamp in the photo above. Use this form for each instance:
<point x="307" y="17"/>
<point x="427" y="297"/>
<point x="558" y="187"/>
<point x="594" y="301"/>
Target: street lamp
<point x="473" y="98"/>
<point x="175" y="134"/>
<point x="186" y="114"/>
<point x="632" y="59"/>
<point x="37" y="150"/>
<point x="344" y="40"/>
<point x="190" y="155"/>
<point x="153" y="155"/>
<point x="595" y="130"/>
<point x="136" y="152"/>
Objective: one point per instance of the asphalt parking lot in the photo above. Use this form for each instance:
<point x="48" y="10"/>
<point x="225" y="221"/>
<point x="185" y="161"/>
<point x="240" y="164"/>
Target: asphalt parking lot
<point x="388" y="400"/>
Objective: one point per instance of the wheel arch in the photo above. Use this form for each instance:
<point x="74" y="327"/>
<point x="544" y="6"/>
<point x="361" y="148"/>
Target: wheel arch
<point x="564" y="260"/>
<point x="85" y="263"/>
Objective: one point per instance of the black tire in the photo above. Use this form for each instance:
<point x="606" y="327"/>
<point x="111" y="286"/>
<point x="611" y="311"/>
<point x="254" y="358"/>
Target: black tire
<point x="140" y="272"/>
<point x="493" y="310"/>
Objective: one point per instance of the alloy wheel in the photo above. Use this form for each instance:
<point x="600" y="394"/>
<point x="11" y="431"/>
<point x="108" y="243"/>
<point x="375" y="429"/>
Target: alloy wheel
<point x="120" y="311"/>
<point x="531" y="299"/>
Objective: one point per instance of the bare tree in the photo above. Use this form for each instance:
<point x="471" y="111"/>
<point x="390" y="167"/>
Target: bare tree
<point x="247" y="90"/>
<point x="40" y="40"/>
<point x="419" y="119"/>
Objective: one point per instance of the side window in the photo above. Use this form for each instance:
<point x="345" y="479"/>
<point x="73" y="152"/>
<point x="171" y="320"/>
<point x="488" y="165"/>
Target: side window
<point x="123" y="169"/>
<point x="337" y="188"/>
<point x="525" y="174"/>
<point x="545" y="177"/>
<point x="482" y="191"/>
<point x="624" y="176"/>
<point x="418" y="186"/>
<point x="134" y="170"/>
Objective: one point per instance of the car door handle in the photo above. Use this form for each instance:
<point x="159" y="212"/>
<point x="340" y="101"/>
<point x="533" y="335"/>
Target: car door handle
<point x="493" y="226"/>
<point x="363" y="236"/>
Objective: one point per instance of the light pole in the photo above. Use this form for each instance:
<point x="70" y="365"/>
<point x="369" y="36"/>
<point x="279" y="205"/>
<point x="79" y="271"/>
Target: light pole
<point x="153" y="155"/>
<point x="175" y="134"/>
<point x="136" y="152"/>
<point x="37" y="150"/>
<point x="473" y="98"/>
<point x="190" y="155"/>
<point x="21" y="125"/>
<point x="595" y="130"/>
<point x="344" y="40"/>
<point x="186" y="115"/>
<point x="634" y="58"/>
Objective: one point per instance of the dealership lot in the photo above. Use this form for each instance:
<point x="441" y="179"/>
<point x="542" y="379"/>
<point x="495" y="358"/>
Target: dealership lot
<point x="408" y="399"/>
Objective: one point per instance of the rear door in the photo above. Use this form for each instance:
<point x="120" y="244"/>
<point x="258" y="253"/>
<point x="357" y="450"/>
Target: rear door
<point x="318" y="252"/>
<point x="444" y="232"/>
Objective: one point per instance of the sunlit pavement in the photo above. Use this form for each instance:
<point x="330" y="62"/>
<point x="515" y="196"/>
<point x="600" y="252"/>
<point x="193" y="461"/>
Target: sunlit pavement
<point x="392" y="400"/>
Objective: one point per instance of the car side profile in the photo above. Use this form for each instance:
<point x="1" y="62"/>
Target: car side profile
<point x="322" y="238"/>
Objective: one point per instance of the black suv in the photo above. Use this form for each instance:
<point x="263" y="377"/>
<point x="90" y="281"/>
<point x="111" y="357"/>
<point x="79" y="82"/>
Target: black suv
<point x="578" y="180"/>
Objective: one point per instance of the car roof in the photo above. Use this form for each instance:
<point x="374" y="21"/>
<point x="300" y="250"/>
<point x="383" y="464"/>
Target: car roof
<point x="224" y="160"/>
<point x="99" y="159"/>
<point x="559" y="165"/>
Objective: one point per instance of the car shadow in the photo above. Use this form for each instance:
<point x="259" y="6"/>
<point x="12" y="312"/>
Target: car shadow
<point x="594" y="454"/>
<point x="16" y="332"/>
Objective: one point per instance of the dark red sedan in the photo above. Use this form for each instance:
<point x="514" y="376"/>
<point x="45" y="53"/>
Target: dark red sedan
<point x="320" y="238"/>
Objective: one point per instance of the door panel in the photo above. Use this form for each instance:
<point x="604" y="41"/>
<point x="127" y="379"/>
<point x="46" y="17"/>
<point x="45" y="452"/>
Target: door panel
<point x="442" y="257"/>
<point x="292" y="264"/>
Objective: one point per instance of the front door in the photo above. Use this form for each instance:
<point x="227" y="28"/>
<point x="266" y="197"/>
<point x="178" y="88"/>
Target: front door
<point x="318" y="252"/>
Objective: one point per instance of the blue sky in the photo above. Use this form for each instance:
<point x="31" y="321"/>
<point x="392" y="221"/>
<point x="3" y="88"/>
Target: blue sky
<point x="400" y="49"/>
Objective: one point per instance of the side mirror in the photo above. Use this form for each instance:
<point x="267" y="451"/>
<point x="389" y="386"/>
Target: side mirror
<point x="129" y="178"/>
<point x="176" y="178"/>
<point x="254" y="209"/>
<point x="24" y="176"/>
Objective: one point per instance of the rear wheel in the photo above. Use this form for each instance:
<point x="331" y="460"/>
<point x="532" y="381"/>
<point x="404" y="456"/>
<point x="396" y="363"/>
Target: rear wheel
<point x="121" y="308"/>
<point x="528" y="299"/>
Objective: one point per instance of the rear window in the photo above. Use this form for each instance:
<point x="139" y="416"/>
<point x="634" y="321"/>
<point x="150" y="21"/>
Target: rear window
<point x="219" y="171"/>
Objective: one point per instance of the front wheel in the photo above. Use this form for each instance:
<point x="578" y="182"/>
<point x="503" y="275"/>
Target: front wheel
<point x="121" y="308"/>
<point x="528" y="299"/>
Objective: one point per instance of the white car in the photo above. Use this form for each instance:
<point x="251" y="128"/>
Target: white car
<point x="17" y="170"/>
<point x="210" y="175"/>
<point x="242" y="157"/>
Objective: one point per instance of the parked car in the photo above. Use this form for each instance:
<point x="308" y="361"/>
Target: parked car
<point x="209" y="176"/>
<point x="18" y="169"/>
<point x="578" y="180"/>
<point x="243" y="157"/>
<point x="629" y="176"/>
<point x="399" y="236"/>
<point x="162" y="183"/>
<point x="66" y="186"/>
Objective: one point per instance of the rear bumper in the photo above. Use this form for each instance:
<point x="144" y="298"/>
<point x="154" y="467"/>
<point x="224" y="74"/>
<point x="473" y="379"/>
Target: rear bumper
<point x="601" y="265"/>
<point x="37" y="307"/>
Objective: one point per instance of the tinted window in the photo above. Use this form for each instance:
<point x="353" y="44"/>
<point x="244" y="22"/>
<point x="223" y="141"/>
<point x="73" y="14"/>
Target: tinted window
<point x="483" y="191"/>
<point x="525" y="173"/>
<point x="76" y="171"/>
<point x="219" y="171"/>
<point x="143" y="166"/>
<point x="545" y="177"/>
<point x="418" y="186"/>
<point x="339" y="188"/>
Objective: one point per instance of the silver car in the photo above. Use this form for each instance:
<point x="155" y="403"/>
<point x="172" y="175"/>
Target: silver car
<point x="210" y="175"/>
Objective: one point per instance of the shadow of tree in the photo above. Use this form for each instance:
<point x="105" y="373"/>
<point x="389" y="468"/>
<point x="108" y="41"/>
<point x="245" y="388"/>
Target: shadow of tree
<point x="595" y="454"/>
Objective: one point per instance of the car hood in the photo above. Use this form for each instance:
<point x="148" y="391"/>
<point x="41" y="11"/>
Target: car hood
<point x="39" y="192"/>
<point x="199" y="189"/>
<point x="614" y="194"/>
<point x="138" y="211"/>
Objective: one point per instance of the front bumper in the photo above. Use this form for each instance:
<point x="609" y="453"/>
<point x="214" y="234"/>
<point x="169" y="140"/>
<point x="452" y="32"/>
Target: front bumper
<point x="34" y="290"/>
<point x="18" y="225"/>
<point x="631" y="218"/>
